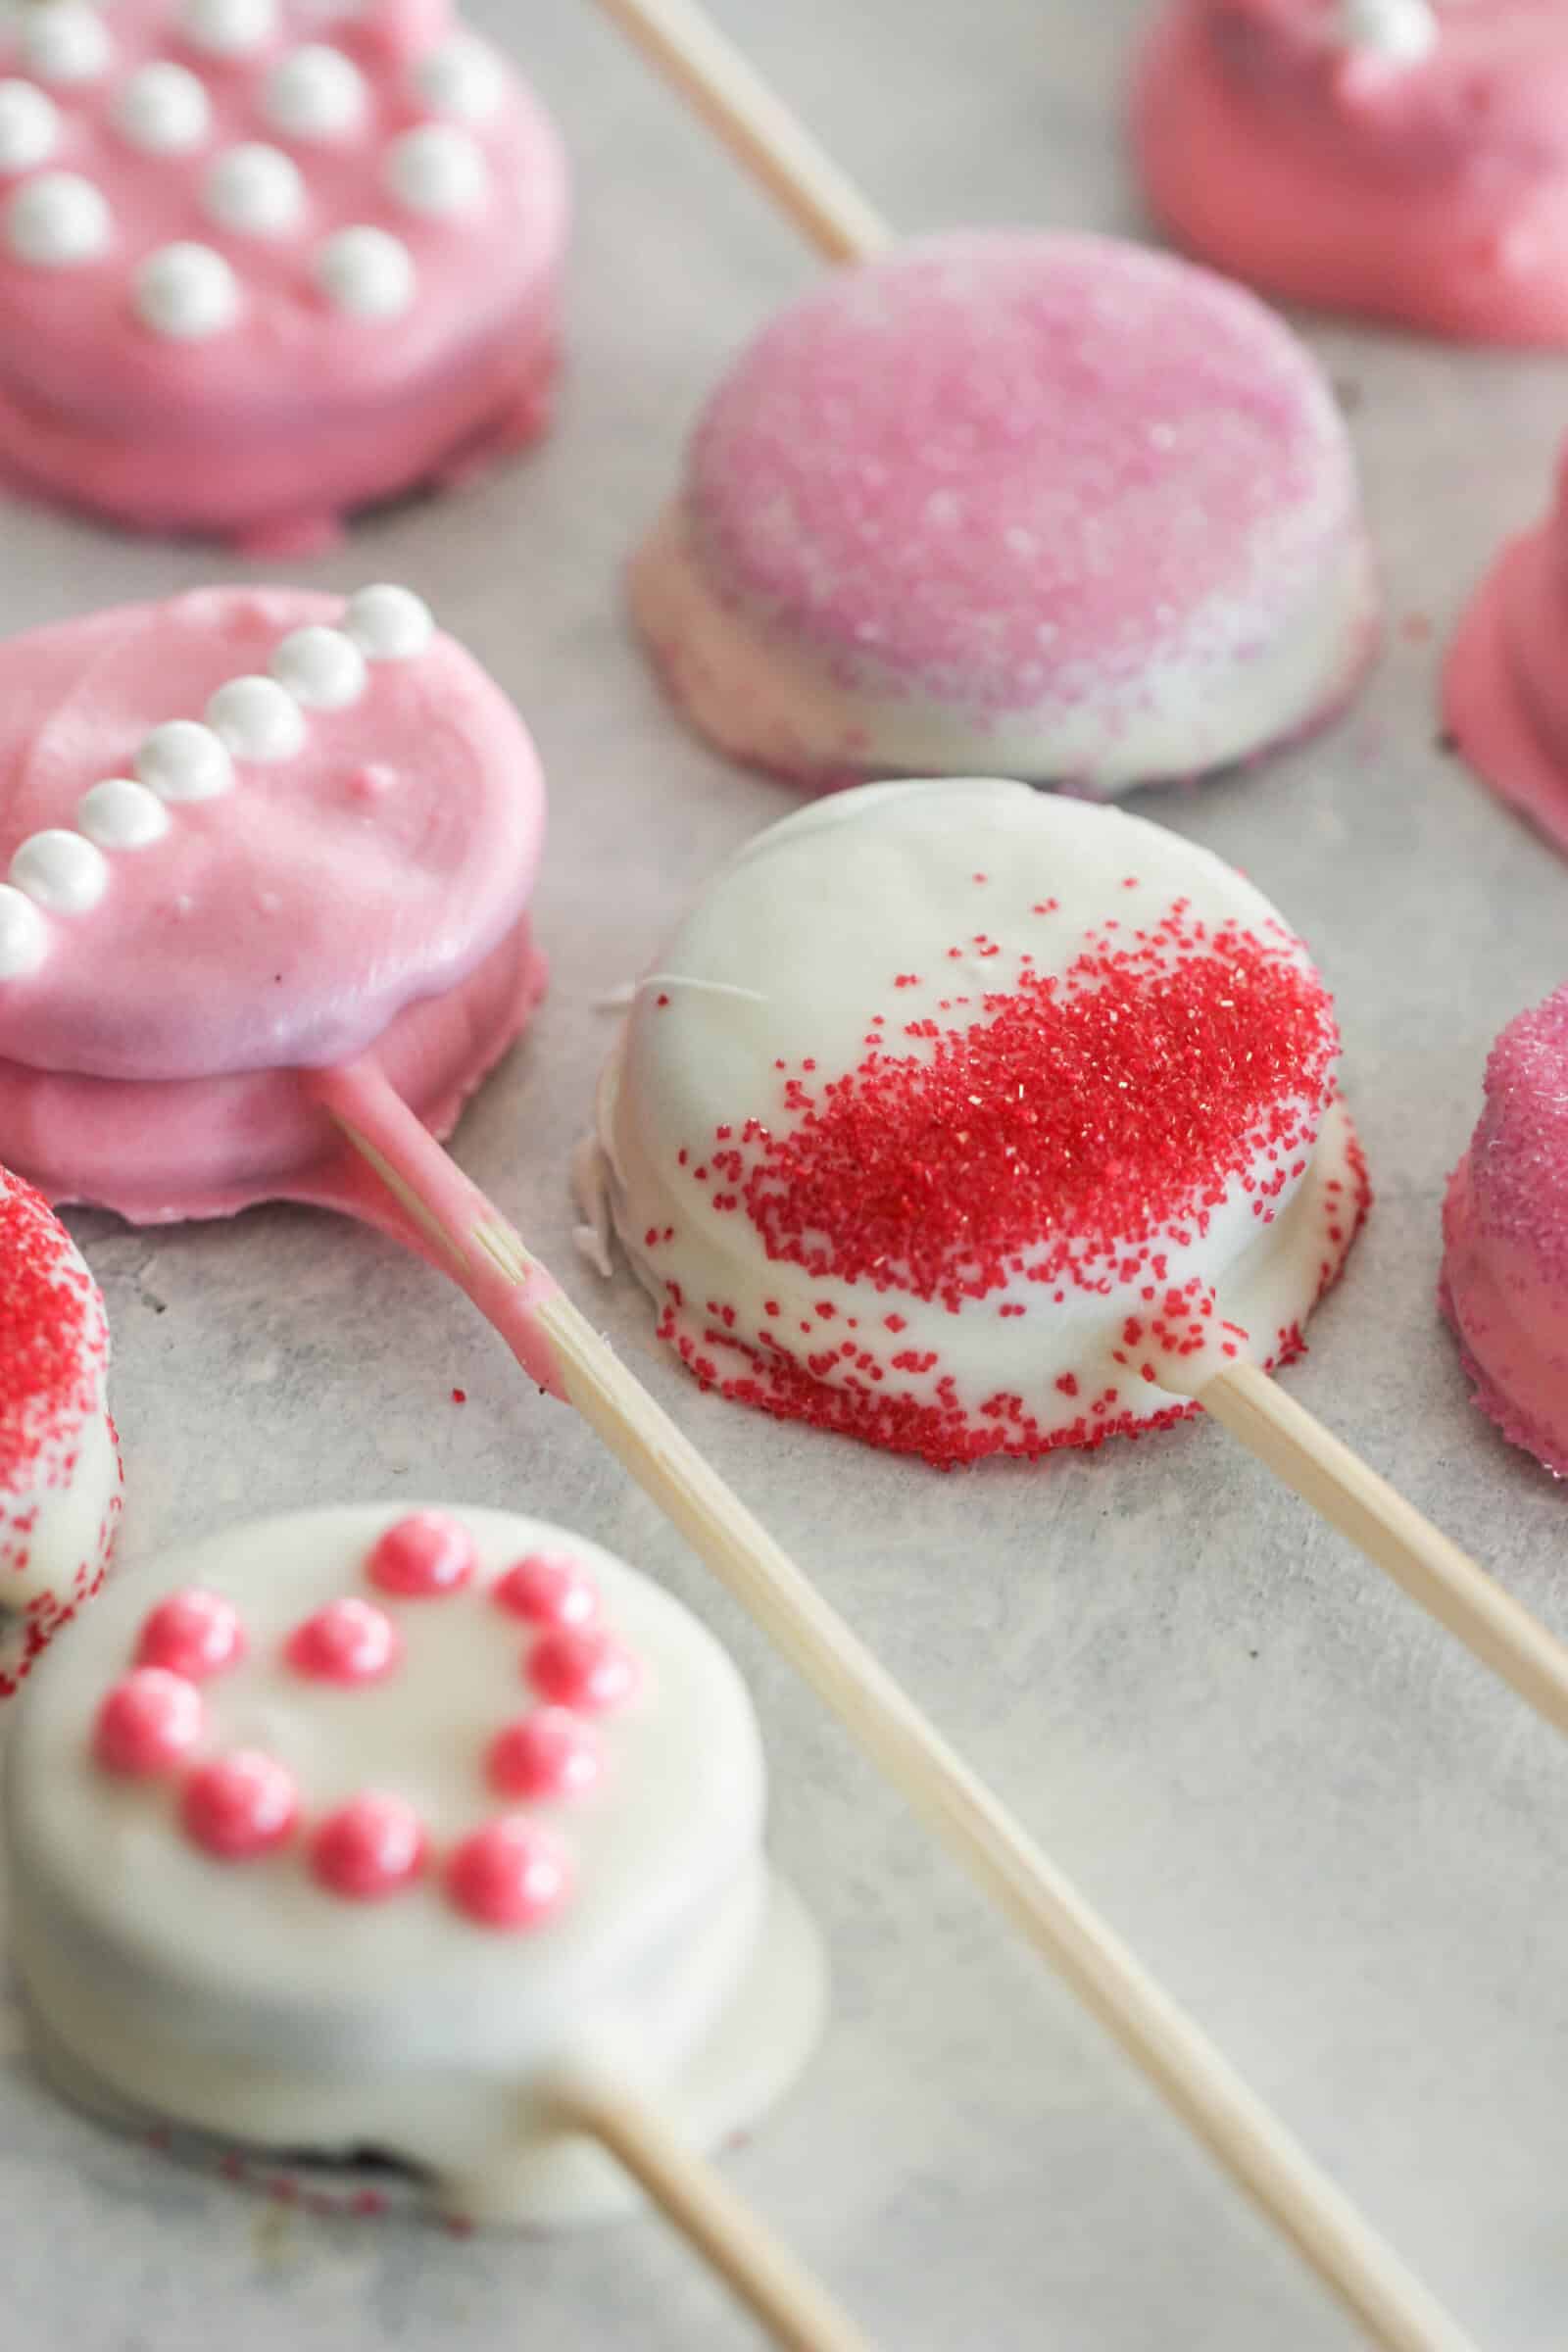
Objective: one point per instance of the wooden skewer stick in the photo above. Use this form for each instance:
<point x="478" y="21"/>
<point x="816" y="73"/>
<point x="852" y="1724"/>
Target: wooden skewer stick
<point x="1436" y="1574"/>
<point x="758" y="2269"/>
<point x="1443" y="1580"/>
<point x="777" y="150"/>
<point x="561" y="1351"/>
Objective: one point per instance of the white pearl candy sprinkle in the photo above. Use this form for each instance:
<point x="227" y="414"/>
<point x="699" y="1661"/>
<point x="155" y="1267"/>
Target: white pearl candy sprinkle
<point x="437" y="169"/>
<point x="61" y="870"/>
<point x="315" y="93"/>
<point x="164" y="109"/>
<point x="462" y="78"/>
<point x="366" y="273"/>
<point x="121" y="814"/>
<point x="30" y="127"/>
<point x="1404" y="32"/>
<point x="187" y="292"/>
<point x="228" y="28"/>
<point x="321" y="668"/>
<point x="257" y="719"/>
<point x="58" y="220"/>
<point x="388" y="623"/>
<point x="66" y="41"/>
<point x="23" y="934"/>
<point x="181" y="760"/>
<point x="255" y="190"/>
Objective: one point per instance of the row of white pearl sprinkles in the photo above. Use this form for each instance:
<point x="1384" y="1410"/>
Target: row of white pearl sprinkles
<point x="257" y="719"/>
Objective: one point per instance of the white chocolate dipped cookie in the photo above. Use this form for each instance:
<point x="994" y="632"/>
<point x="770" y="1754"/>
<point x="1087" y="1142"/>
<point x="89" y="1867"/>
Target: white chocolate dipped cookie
<point x="353" y="1830"/>
<point x="965" y="1119"/>
<point x="60" y="1473"/>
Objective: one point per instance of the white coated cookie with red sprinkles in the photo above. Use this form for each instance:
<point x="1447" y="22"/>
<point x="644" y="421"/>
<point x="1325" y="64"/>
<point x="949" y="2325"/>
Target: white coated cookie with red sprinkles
<point x="60" y="1472"/>
<point x="965" y="1119"/>
<point x="340" y="1831"/>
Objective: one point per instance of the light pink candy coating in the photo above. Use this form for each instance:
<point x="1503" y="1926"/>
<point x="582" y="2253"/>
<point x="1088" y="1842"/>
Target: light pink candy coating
<point x="349" y="1641"/>
<point x="546" y="1589"/>
<point x="513" y="1874"/>
<point x="424" y="1557"/>
<point x="994" y="464"/>
<point x="298" y="411"/>
<point x="1432" y="190"/>
<point x="151" y="1063"/>
<point x="239" y="1805"/>
<point x="1506" y="1236"/>
<point x="548" y="1755"/>
<point x="1504" y="687"/>
<point x="192" y="1634"/>
<point x="368" y="1848"/>
<point x="148" y="1723"/>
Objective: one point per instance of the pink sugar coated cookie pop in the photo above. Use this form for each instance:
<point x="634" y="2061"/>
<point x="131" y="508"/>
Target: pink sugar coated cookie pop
<point x="60" y="1472"/>
<point x="1505" y="1238"/>
<point x="205" y="904"/>
<point x="389" y="1911"/>
<point x="1401" y="159"/>
<point x="321" y="250"/>
<point x="1506" y="686"/>
<point x="1003" y="503"/>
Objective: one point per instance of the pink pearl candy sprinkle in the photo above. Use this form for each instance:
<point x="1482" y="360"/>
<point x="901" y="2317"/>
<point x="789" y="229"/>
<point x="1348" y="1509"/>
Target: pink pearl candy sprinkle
<point x="347" y="1642"/>
<point x="588" y="1672"/>
<point x="511" y="1874"/>
<point x="193" y="1634"/>
<point x="368" y="1848"/>
<point x="547" y="1755"/>
<point x="548" y="1589"/>
<point x="423" y="1558"/>
<point x="149" y="1723"/>
<point x="239" y="1805"/>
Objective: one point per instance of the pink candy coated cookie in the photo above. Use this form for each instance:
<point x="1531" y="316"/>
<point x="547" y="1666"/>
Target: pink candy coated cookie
<point x="59" y="1473"/>
<point x="250" y="834"/>
<point x="1044" y="506"/>
<point x="1505" y="695"/>
<point x="1505" y="1238"/>
<point x="263" y="261"/>
<point x="1403" y="159"/>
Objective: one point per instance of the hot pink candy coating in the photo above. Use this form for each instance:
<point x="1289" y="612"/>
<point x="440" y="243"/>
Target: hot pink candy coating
<point x="239" y="1805"/>
<point x="368" y="1848"/>
<point x="549" y="1753"/>
<point x="349" y="1641"/>
<point x="513" y="1874"/>
<point x="150" y="1063"/>
<point x="148" y="1724"/>
<point x="546" y="1588"/>
<point x="424" y="1557"/>
<point x="590" y="1673"/>
<point x="1431" y="190"/>
<point x="194" y="1634"/>
<point x="296" y="410"/>
<point x="1506" y="1236"/>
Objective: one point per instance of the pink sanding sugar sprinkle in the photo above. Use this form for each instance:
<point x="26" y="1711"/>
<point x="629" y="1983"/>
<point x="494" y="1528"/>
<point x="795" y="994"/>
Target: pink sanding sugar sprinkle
<point x="1520" y="1151"/>
<point x="995" y="464"/>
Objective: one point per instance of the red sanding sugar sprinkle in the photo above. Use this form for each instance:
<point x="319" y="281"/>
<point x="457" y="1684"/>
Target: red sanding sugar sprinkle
<point x="1079" y="1117"/>
<point x="52" y="1335"/>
